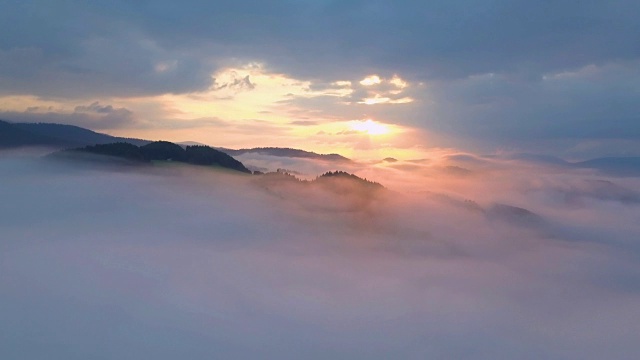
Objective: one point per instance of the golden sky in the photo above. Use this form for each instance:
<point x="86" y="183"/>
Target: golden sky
<point x="250" y="106"/>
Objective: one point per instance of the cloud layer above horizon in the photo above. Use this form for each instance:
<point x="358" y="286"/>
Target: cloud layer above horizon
<point x="556" y="77"/>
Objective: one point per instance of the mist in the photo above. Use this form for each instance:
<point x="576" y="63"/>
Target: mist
<point x="460" y="256"/>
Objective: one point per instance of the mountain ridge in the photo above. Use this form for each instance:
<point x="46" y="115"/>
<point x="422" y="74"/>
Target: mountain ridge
<point x="287" y="152"/>
<point x="61" y="136"/>
<point x="158" y="151"/>
<point x="13" y="135"/>
<point x="612" y="165"/>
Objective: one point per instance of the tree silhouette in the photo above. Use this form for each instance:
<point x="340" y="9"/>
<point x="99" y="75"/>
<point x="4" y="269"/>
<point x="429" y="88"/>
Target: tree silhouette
<point x="119" y="149"/>
<point x="205" y="155"/>
<point x="163" y="150"/>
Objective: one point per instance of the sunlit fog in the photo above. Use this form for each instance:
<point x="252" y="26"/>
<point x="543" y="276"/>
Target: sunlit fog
<point x="496" y="259"/>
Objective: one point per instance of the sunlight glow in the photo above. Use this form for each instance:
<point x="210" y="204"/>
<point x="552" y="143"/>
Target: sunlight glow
<point x="398" y="82"/>
<point x="371" y="80"/>
<point x="374" y="100"/>
<point x="370" y="127"/>
<point x="384" y="100"/>
<point x="342" y="83"/>
<point x="251" y="106"/>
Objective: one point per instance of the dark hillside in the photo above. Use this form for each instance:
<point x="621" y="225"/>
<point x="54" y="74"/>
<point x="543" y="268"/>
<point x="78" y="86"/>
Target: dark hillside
<point x="75" y="134"/>
<point x="163" y="150"/>
<point x="160" y="151"/>
<point x="205" y="155"/>
<point x="12" y="136"/>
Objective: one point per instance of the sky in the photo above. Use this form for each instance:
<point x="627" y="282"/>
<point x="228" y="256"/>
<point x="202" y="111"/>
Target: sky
<point x="367" y="79"/>
<point x="474" y="249"/>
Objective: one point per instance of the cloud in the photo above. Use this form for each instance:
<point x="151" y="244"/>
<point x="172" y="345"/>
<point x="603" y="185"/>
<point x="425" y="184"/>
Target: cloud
<point x="419" y="39"/>
<point x="95" y="107"/>
<point x="88" y="55"/>
<point x="207" y="264"/>
<point x="482" y="75"/>
<point x="555" y="114"/>
<point x="304" y="123"/>
<point x="578" y="193"/>
<point x="236" y="84"/>
<point x="93" y="116"/>
<point x="350" y="99"/>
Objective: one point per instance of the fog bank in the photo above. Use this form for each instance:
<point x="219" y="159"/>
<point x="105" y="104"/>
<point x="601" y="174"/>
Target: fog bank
<point x="460" y="257"/>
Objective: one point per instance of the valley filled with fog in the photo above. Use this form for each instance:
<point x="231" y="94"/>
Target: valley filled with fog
<point x="460" y="256"/>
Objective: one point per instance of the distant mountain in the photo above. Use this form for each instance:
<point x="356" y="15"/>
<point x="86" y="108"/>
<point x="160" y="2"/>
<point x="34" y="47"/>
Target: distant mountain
<point x="542" y="159"/>
<point x="65" y="136"/>
<point x="514" y="215"/>
<point x="157" y="151"/>
<point x="602" y="190"/>
<point x="54" y="135"/>
<point x="617" y="166"/>
<point x="287" y="152"/>
<point x="12" y="136"/>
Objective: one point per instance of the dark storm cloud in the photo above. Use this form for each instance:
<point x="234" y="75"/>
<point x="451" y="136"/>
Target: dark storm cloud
<point x="75" y="49"/>
<point x="455" y="38"/>
<point x="120" y="43"/>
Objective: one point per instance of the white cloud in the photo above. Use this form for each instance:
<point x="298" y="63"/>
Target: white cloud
<point x="370" y="80"/>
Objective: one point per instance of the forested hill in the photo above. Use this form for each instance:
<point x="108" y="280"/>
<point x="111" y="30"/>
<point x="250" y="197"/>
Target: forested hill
<point x="12" y="136"/>
<point x="342" y="175"/>
<point x="161" y="151"/>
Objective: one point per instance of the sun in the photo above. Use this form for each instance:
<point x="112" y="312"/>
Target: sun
<point x="370" y="127"/>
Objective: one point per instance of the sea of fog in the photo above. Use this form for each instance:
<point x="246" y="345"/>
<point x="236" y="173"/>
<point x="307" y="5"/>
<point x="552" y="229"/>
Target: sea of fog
<point x="462" y="257"/>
